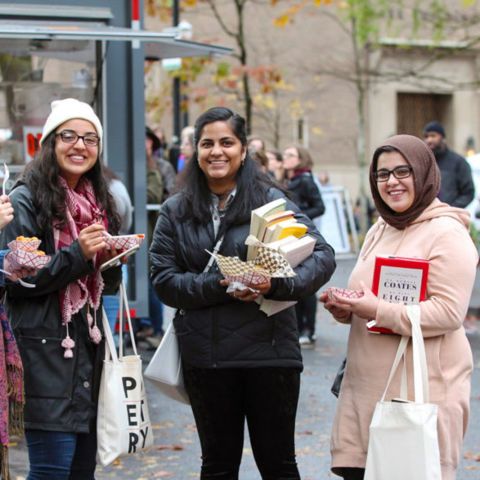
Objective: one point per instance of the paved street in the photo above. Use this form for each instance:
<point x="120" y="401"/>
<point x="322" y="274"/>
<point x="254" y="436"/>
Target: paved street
<point x="176" y="454"/>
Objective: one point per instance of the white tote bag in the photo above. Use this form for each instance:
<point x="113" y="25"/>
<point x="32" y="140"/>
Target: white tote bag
<point x="403" y="442"/>
<point x="165" y="368"/>
<point x="123" y="422"/>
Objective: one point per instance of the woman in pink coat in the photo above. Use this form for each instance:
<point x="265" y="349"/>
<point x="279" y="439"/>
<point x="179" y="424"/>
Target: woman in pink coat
<point x="404" y="181"/>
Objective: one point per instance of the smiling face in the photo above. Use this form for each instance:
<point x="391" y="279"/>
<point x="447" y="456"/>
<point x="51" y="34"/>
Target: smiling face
<point x="291" y="159"/>
<point x="398" y="194"/>
<point x="220" y="155"/>
<point x="75" y="159"/>
<point x="434" y="140"/>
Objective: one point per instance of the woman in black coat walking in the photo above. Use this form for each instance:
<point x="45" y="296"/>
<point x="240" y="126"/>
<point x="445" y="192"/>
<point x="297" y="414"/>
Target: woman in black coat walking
<point x="238" y="363"/>
<point x="298" y="164"/>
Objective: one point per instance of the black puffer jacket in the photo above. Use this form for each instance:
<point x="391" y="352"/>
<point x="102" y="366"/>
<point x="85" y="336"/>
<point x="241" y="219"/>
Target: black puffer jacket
<point x="213" y="329"/>
<point x="61" y="394"/>
<point x="306" y="194"/>
<point x="456" y="185"/>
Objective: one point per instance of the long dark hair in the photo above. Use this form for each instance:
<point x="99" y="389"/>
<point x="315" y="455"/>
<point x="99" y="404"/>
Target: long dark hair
<point x="252" y="185"/>
<point x="41" y="178"/>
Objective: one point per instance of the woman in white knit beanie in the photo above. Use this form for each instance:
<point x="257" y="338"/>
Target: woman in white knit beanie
<point x="63" y="200"/>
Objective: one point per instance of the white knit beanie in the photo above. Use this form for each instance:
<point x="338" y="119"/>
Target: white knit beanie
<point x="67" y="109"/>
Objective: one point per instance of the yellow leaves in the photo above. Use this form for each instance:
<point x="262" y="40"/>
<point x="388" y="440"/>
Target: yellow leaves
<point x="189" y="3"/>
<point x="282" y="20"/>
<point x="265" y="101"/>
<point x="288" y="15"/>
<point x="296" y="108"/>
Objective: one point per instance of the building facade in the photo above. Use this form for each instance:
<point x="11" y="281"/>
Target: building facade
<point x="407" y="77"/>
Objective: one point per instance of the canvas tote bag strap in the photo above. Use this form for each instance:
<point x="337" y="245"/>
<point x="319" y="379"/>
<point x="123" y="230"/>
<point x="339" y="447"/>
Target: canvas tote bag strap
<point x="396" y="362"/>
<point x="420" y="368"/>
<point x="110" y="350"/>
<point x="124" y="307"/>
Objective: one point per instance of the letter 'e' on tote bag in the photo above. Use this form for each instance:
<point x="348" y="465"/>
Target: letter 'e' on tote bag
<point x="123" y="422"/>
<point x="403" y="442"/>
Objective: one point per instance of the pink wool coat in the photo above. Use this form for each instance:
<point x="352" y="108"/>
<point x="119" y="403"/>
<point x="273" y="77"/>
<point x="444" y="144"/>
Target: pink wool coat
<point x="439" y="235"/>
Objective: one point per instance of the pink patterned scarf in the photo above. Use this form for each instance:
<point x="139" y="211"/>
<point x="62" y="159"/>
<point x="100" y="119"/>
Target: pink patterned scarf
<point x="81" y="211"/>
<point x="11" y="391"/>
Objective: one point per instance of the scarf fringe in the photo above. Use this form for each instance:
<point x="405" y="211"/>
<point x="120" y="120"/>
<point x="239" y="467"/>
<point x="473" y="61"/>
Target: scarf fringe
<point x="15" y="418"/>
<point x="16" y="400"/>
<point x="15" y="382"/>
<point x="4" y="470"/>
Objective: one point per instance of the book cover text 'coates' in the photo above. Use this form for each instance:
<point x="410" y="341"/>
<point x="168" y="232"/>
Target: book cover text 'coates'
<point x="400" y="285"/>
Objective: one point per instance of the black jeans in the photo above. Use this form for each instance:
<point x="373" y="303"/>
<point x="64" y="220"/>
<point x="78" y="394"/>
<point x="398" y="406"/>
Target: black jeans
<point x="221" y="401"/>
<point x="306" y="311"/>
<point x="349" y="473"/>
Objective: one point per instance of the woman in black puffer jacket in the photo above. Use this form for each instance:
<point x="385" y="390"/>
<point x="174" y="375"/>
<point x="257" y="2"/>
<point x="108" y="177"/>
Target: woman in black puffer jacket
<point x="238" y="363"/>
<point x="298" y="163"/>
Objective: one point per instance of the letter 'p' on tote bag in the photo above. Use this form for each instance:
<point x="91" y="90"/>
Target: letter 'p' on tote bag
<point x="403" y="442"/>
<point x="123" y="422"/>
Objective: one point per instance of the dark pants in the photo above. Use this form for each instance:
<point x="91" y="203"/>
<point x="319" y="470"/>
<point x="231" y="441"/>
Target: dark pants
<point x="351" y="473"/>
<point x="221" y="401"/>
<point x="61" y="455"/>
<point x="306" y="310"/>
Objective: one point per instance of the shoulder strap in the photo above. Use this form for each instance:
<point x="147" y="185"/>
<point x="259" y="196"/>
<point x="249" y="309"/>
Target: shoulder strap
<point x="420" y="367"/>
<point x="216" y="248"/>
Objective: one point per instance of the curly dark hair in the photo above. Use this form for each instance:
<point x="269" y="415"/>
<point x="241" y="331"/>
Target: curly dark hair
<point x="41" y="178"/>
<point x="252" y="185"/>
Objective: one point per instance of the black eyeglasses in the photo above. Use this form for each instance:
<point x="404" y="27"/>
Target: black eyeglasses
<point x="71" y="137"/>
<point x="402" y="171"/>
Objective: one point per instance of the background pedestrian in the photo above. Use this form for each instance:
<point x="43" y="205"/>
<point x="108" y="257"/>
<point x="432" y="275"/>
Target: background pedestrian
<point x="298" y="164"/>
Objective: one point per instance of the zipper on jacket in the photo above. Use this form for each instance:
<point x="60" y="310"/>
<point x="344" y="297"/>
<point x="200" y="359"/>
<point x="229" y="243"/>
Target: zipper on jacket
<point x="273" y="333"/>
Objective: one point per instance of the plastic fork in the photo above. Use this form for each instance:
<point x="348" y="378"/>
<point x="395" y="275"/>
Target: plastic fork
<point x="19" y="280"/>
<point x="6" y="176"/>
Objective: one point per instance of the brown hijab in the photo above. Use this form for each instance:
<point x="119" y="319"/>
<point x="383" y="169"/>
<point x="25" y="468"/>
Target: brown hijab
<point x="426" y="179"/>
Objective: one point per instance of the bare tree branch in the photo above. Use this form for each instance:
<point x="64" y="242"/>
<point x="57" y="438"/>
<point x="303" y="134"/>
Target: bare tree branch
<point x="219" y="19"/>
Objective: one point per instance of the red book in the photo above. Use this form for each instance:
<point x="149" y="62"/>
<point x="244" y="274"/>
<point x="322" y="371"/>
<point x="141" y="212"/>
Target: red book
<point x="399" y="280"/>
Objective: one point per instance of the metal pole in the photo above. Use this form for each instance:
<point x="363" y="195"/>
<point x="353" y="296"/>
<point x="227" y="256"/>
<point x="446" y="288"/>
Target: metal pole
<point x="176" y="81"/>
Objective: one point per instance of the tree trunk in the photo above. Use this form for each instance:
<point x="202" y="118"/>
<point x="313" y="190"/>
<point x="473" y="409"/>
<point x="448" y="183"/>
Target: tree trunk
<point x="240" y="6"/>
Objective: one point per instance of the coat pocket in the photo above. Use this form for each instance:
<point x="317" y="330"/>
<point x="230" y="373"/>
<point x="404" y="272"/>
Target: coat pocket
<point x="47" y="373"/>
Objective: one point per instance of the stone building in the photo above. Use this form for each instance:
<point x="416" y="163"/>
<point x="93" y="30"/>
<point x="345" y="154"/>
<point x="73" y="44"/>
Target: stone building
<point x="413" y="79"/>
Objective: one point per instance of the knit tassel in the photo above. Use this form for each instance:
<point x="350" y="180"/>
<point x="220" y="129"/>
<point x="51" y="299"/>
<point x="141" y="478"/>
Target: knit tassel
<point x="68" y="344"/>
<point x="95" y="333"/>
<point x="4" y="470"/>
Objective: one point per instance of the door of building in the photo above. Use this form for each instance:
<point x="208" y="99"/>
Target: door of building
<point x="414" y="110"/>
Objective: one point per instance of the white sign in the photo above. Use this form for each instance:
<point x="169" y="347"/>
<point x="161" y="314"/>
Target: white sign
<point x="333" y="223"/>
<point x="31" y="141"/>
